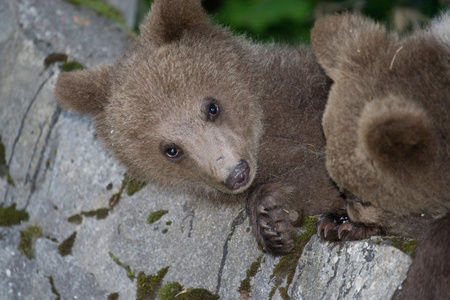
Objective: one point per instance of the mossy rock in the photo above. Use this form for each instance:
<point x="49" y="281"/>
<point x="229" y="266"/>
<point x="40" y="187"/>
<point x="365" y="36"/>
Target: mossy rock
<point x="27" y="239"/>
<point x="197" y="294"/>
<point x="127" y="268"/>
<point x="287" y="265"/>
<point x="65" y="248"/>
<point x="156" y="215"/>
<point x="407" y="246"/>
<point x="169" y="291"/>
<point x="148" y="285"/>
<point x="12" y="216"/>
<point x="70" y="66"/>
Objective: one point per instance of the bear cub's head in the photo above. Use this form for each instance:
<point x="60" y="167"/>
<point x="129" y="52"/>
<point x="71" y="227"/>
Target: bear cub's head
<point x="387" y="119"/>
<point x="180" y="107"/>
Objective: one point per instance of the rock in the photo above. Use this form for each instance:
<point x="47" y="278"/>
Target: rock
<point x="353" y="270"/>
<point x="58" y="172"/>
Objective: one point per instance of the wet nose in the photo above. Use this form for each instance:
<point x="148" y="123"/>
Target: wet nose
<point x="239" y="176"/>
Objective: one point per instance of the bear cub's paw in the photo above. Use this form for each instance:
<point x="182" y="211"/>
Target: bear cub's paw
<point x="274" y="224"/>
<point x="337" y="226"/>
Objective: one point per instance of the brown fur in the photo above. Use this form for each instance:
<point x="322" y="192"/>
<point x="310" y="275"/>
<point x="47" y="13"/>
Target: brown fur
<point x="387" y="118"/>
<point x="387" y="125"/>
<point x="271" y="100"/>
<point x="429" y="275"/>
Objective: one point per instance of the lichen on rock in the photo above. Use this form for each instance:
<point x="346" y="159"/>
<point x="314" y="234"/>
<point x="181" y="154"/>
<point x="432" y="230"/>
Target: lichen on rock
<point x="148" y="285"/>
<point x="12" y="216"/>
<point x="27" y="239"/>
<point x="65" y="248"/>
<point x="156" y="215"/>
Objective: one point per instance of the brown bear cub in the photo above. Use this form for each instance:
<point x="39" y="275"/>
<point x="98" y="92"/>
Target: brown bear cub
<point x="387" y="125"/>
<point x="191" y="107"/>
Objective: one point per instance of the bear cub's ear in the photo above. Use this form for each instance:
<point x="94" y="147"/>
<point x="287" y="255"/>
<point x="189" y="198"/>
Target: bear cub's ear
<point x="168" y="20"/>
<point x="397" y="134"/>
<point x="341" y="41"/>
<point x="84" y="91"/>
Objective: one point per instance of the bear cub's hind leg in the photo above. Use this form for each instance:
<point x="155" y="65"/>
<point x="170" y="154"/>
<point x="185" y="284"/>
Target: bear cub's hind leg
<point x="273" y="221"/>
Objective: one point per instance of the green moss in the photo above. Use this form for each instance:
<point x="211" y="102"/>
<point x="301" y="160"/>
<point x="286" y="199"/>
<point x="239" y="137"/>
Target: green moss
<point x="169" y="291"/>
<point x="113" y="296"/>
<point x="65" y="248"/>
<point x="129" y="184"/>
<point x="284" y="293"/>
<point x="127" y="268"/>
<point x="76" y="219"/>
<point x="27" y="239"/>
<point x="288" y="263"/>
<point x="245" y="286"/>
<point x="51" y="238"/>
<point x="115" y="199"/>
<point x="4" y="169"/>
<point x="197" y="294"/>
<point x="54" y="290"/>
<point x="165" y="230"/>
<point x="10" y="180"/>
<point x="168" y="223"/>
<point x="91" y="213"/>
<point x="2" y="153"/>
<point x="156" y="215"/>
<point x="134" y="186"/>
<point x="70" y="66"/>
<point x="100" y="213"/>
<point x="174" y="290"/>
<point x="406" y="245"/>
<point x="11" y="216"/>
<point x="148" y="285"/>
<point x="101" y="8"/>
<point x="109" y="186"/>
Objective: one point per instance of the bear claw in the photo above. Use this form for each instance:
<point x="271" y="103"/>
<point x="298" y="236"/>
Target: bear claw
<point x="337" y="226"/>
<point x="272" y="219"/>
<point x="274" y="231"/>
<point x="346" y="226"/>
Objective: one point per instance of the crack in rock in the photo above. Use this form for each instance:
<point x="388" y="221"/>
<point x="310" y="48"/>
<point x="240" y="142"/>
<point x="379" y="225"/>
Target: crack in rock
<point x="240" y="218"/>
<point x="53" y="121"/>
<point x="189" y="209"/>
<point x="22" y="124"/>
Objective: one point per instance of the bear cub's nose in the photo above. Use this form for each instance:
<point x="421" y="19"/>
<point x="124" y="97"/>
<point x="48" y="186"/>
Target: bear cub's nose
<point x="239" y="176"/>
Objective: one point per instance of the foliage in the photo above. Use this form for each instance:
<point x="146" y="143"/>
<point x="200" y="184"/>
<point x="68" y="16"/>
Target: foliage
<point x="291" y="20"/>
<point x="102" y="8"/>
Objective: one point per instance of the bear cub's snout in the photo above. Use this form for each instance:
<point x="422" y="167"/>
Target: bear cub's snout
<point x="239" y="177"/>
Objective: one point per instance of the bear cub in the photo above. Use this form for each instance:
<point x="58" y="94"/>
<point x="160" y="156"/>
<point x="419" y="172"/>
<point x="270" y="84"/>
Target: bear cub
<point x="192" y="107"/>
<point x="387" y="125"/>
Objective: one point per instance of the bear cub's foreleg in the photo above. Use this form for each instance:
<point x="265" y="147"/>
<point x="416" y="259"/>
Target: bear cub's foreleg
<point x="274" y="222"/>
<point x="357" y="221"/>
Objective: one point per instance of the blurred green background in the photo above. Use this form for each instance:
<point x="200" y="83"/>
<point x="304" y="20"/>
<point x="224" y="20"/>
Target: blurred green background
<point x="291" y="20"/>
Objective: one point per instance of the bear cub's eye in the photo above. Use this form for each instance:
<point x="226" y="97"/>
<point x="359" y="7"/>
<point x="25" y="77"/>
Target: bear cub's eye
<point x="212" y="110"/>
<point x="173" y="152"/>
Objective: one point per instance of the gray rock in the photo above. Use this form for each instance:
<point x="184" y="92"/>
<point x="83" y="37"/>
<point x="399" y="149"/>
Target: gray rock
<point x="60" y="169"/>
<point x="353" y="270"/>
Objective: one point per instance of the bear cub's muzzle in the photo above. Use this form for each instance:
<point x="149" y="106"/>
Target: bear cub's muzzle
<point x="239" y="177"/>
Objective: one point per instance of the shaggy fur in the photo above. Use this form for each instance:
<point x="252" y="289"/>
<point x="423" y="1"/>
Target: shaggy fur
<point x="387" y="125"/>
<point x="262" y="140"/>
